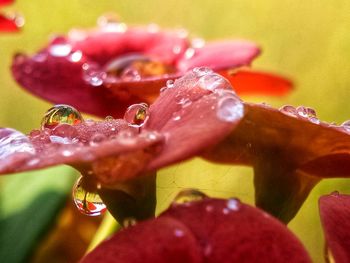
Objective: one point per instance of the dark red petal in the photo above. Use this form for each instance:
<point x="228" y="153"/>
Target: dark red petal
<point x="258" y="83"/>
<point x="284" y="151"/>
<point x="7" y="24"/>
<point x="221" y="55"/>
<point x="156" y="241"/>
<point x="190" y="115"/>
<point x="335" y="217"/>
<point x="230" y="231"/>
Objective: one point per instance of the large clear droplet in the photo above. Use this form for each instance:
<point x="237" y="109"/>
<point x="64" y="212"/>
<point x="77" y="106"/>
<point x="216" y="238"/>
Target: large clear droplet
<point x="213" y="82"/>
<point x="88" y="203"/>
<point x="12" y="141"/>
<point x="229" y="109"/>
<point x="60" y="114"/>
<point x="137" y="115"/>
<point x="188" y="196"/>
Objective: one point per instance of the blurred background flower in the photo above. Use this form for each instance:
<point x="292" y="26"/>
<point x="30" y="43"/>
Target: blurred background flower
<point x="307" y="41"/>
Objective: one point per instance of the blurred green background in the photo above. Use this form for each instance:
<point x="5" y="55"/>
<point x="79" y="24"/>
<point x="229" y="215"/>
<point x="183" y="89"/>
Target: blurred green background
<point x="308" y="41"/>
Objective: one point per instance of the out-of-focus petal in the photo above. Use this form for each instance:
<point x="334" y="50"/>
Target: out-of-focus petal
<point x="7" y="24"/>
<point x="250" y="82"/>
<point x="211" y="230"/>
<point x="221" y="55"/>
<point x="335" y="217"/>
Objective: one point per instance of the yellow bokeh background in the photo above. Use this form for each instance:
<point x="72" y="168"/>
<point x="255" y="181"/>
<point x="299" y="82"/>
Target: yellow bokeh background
<point x="308" y="41"/>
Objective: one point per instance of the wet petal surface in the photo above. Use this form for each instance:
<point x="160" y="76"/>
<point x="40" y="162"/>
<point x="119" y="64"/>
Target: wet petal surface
<point x="335" y="214"/>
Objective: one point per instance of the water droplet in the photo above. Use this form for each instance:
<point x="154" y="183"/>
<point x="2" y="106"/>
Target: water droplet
<point x="130" y="74"/>
<point x="12" y="141"/>
<point x="137" y="115"/>
<point x="189" y="53"/>
<point x="76" y="56"/>
<point x="129" y="221"/>
<point x="93" y="75"/>
<point x="179" y="233"/>
<point x="335" y="193"/>
<point x="346" y="125"/>
<point x="97" y="138"/>
<point x="201" y="71"/>
<point x="170" y="83"/>
<point x="188" y="196"/>
<point x="289" y="110"/>
<point x="177" y="118"/>
<point x="229" y="109"/>
<point x="109" y="118"/>
<point x="88" y="203"/>
<point x="185" y="102"/>
<point x="197" y="42"/>
<point x="61" y="114"/>
<point x="213" y="82"/>
<point x="60" y="50"/>
<point x="111" y="22"/>
<point x="67" y="153"/>
<point x="65" y="131"/>
<point x="233" y="204"/>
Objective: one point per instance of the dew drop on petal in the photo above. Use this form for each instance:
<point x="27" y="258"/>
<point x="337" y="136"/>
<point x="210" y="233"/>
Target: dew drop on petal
<point x="187" y="196"/>
<point x="93" y="75"/>
<point x="289" y="110"/>
<point x="137" y="114"/>
<point x="346" y="126"/>
<point x="60" y="50"/>
<point x="201" y="71"/>
<point x="213" y="82"/>
<point x="233" y="204"/>
<point x="129" y="221"/>
<point x="170" y="83"/>
<point x="12" y="141"/>
<point x="335" y="193"/>
<point x="60" y="114"/>
<point x="97" y="138"/>
<point x="229" y="109"/>
<point x="88" y="203"/>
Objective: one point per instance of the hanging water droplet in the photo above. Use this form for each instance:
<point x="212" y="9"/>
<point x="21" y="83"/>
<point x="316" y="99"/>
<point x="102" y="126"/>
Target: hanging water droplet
<point x="97" y="138"/>
<point x="93" y="75"/>
<point x="128" y="222"/>
<point x="61" y="114"/>
<point x="229" y="109"/>
<point x="289" y="110"/>
<point x="60" y="50"/>
<point x="137" y="115"/>
<point x="12" y="141"/>
<point x="201" y="71"/>
<point x="88" y="203"/>
<point x="188" y="196"/>
<point x="214" y="82"/>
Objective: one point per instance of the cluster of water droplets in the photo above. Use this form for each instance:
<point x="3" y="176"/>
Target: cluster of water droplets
<point x="309" y="114"/>
<point x="14" y="142"/>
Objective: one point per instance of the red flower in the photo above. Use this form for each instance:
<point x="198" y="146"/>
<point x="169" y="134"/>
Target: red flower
<point x="199" y="115"/>
<point x="210" y="230"/>
<point x="102" y="71"/>
<point x="8" y="23"/>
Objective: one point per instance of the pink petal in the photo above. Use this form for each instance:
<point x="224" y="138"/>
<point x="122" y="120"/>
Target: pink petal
<point x="155" y="241"/>
<point x="221" y="55"/>
<point x="335" y="214"/>
<point x="192" y="115"/>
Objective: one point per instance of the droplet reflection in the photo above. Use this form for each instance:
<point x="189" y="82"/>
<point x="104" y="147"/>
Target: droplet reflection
<point x="137" y="115"/>
<point x="61" y="114"/>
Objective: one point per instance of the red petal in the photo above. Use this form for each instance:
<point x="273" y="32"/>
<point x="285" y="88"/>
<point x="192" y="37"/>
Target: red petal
<point x="230" y="231"/>
<point x="189" y="115"/>
<point x="7" y="25"/>
<point x="6" y="2"/>
<point x="157" y="241"/>
<point x="335" y="217"/>
<point x="221" y="55"/>
<point x="258" y="83"/>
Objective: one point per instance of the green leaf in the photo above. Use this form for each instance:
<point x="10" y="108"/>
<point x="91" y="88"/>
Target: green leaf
<point x="30" y="203"/>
